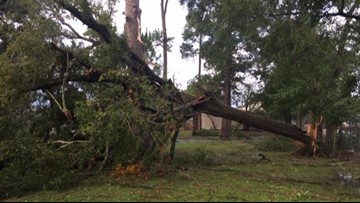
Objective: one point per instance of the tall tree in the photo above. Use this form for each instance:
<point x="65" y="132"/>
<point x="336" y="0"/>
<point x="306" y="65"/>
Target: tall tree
<point x="193" y="34"/>
<point x="164" y="4"/>
<point x="223" y="45"/>
<point x="302" y="75"/>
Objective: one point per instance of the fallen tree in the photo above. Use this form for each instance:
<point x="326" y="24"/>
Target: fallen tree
<point x="208" y="103"/>
<point x="211" y="105"/>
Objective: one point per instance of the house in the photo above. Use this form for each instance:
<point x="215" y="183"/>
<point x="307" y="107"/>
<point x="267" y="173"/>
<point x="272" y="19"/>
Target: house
<point x="209" y="122"/>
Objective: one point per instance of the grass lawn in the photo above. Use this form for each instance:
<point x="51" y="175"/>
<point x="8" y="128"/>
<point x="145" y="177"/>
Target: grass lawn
<point x="210" y="169"/>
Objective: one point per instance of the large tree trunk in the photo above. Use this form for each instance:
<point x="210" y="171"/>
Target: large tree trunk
<point x="331" y="140"/>
<point x="211" y="105"/>
<point x="299" y="122"/>
<point x="225" y="129"/>
<point x="132" y="27"/>
<point x="287" y="117"/>
<point x="199" y="78"/>
<point x="195" y="124"/>
<point x="226" y="124"/>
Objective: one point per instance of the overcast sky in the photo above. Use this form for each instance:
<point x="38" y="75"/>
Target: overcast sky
<point x="182" y="69"/>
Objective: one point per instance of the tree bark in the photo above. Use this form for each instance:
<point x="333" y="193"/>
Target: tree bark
<point x="226" y="124"/>
<point x="195" y="124"/>
<point x="199" y="76"/>
<point x="173" y="143"/>
<point x="287" y="117"/>
<point x="225" y="129"/>
<point x="132" y="27"/>
<point x="199" y="66"/>
<point x="331" y="140"/>
<point x="211" y="105"/>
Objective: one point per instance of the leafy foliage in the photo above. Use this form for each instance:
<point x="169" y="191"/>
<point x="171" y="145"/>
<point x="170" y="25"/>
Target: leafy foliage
<point x="27" y="165"/>
<point x="121" y="123"/>
<point x="112" y="121"/>
<point x="203" y="156"/>
<point x="276" y="144"/>
<point x="204" y="132"/>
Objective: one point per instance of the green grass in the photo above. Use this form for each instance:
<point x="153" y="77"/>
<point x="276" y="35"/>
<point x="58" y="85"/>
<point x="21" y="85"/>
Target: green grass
<point x="234" y="172"/>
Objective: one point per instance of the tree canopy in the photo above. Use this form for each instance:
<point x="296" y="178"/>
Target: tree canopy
<point x="72" y="96"/>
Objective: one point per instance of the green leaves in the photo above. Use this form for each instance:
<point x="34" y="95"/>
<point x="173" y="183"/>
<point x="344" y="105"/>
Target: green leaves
<point x="309" y="72"/>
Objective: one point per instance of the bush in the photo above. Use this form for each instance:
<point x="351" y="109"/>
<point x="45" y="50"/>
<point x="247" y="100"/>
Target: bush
<point x="237" y="133"/>
<point x="29" y="166"/>
<point x="276" y="144"/>
<point x="203" y="156"/>
<point x="216" y="133"/>
<point x="206" y="132"/>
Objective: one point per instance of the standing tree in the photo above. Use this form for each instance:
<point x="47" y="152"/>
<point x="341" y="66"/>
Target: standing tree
<point x="196" y="21"/>
<point x="298" y="51"/>
<point x="164" y="4"/>
<point x="222" y="42"/>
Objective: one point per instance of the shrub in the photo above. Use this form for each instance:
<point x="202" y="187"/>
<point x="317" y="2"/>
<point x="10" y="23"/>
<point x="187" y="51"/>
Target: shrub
<point x="30" y="166"/>
<point x="237" y="133"/>
<point x="206" y="132"/>
<point x="203" y="156"/>
<point x="276" y="144"/>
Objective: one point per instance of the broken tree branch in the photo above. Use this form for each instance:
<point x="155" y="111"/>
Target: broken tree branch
<point x="207" y="104"/>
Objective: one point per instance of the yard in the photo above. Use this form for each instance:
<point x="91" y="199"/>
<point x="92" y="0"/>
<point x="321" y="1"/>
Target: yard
<point x="210" y="169"/>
